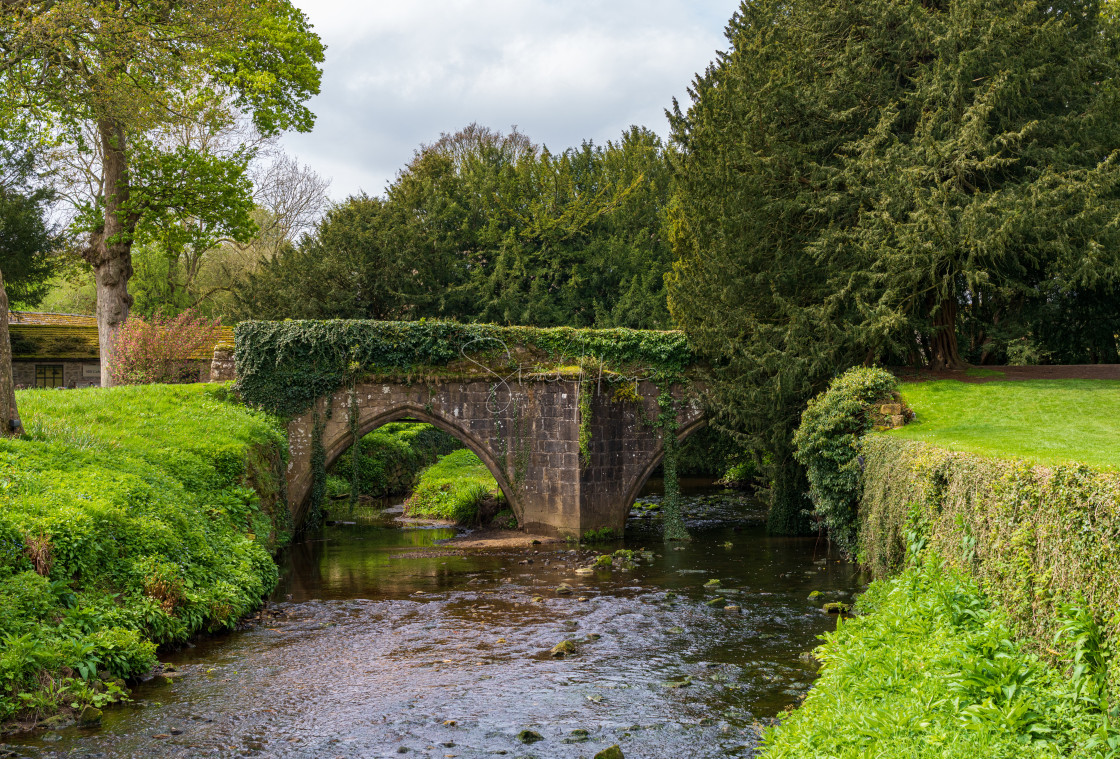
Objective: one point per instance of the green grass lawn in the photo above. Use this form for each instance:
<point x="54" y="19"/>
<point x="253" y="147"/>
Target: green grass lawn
<point x="453" y="488"/>
<point x="1045" y="421"/>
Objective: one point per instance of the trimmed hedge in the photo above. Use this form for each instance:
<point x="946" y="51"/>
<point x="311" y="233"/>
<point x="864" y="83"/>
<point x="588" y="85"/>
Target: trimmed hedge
<point x="1038" y="539"/>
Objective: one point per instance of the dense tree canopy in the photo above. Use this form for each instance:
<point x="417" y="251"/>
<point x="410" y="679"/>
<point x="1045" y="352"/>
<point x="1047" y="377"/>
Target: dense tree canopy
<point x="857" y="181"/>
<point x="27" y="241"/>
<point x="120" y="72"/>
<point x="483" y="226"/>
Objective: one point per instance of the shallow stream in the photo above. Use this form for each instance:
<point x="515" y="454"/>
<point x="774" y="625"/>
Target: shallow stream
<point x="377" y="646"/>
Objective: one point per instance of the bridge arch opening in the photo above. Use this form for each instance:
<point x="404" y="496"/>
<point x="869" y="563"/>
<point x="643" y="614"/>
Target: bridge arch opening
<point x="339" y="444"/>
<point x="658" y="459"/>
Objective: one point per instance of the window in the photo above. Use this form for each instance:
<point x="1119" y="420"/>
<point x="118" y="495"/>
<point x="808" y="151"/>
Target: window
<point x="48" y="375"/>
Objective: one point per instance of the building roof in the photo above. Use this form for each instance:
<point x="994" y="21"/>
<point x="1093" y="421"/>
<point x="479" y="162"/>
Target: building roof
<point x="40" y="336"/>
<point x="46" y="318"/>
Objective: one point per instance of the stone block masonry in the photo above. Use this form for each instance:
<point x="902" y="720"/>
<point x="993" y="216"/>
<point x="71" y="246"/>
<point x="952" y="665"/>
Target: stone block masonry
<point x="528" y="435"/>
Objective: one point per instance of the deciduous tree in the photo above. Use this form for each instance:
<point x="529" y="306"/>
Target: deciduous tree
<point x="123" y="70"/>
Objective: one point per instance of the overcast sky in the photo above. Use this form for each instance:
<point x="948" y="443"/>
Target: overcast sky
<point x="398" y="74"/>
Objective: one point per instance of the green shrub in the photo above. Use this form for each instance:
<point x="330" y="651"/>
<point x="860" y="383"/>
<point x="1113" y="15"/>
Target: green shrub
<point x="827" y="445"/>
<point x="149" y="511"/>
<point x="337" y="487"/>
<point x="931" y="668"/>
<point x="454" y="488"/>
<point x="26" y="599"/>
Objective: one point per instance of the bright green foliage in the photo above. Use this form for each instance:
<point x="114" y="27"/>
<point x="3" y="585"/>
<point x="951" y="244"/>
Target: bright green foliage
<point x="149" y="510"/>
<point x="26" y="239"/>
<point x="187" y="202"/>
<point x="284" y="366"/>
<point x="355" y="265"/>
<point x="390" y="458"/>
<point x="827" y="445"/>
<point x="109" y="81"/>
<point x="852" y="175"/>
<point x="1039" y="540"/>
<point x="453" y="488"/>
<point x="482" y="226"/>
<point x="932" y="669"/>
<point x="1046" y="421"/>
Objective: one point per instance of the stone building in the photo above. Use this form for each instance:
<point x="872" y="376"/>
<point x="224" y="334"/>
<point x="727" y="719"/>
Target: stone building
<point x="62" y="350"/>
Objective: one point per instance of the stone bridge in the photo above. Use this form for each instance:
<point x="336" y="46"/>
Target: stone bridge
<point x="527" y="432"/>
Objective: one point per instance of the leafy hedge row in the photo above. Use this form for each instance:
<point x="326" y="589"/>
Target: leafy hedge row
<point x="129" y="518"/>
<point x="1039" y="540"/>
<point x="284" y="366"/>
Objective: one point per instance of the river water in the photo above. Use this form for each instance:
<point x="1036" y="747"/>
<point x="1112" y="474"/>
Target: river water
<point x="376" y="645"/>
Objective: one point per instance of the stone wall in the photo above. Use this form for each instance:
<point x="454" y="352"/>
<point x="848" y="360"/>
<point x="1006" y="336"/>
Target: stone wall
<point x="74" y="373"/>
<point x="79" y="374"/>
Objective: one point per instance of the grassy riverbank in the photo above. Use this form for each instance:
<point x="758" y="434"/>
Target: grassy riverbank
<point x="1045" y="421"/>
<point x="129" y="518"/>
<point x="455" y="488"/>
<point x="932" y="669"/>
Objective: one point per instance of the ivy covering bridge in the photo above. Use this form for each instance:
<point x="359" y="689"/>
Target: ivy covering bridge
<point x="571" y="422"/>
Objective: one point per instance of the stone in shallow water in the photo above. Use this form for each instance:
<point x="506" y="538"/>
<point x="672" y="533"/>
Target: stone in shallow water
<point x="563" y="648"/>
<point x="614" y="752"/>
<point x="529" y="736"/>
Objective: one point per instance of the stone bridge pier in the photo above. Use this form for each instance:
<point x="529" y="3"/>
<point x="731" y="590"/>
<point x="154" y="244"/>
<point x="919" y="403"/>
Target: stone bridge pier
<point x="526" y="432"/>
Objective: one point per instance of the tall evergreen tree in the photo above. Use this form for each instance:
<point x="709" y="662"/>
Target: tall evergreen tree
<point x="851" y="174"/>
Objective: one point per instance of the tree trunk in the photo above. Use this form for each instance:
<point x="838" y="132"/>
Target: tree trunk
<point x="943" y="342"/>
<point x="10" y="424"/>
<point x="110" y="248"/>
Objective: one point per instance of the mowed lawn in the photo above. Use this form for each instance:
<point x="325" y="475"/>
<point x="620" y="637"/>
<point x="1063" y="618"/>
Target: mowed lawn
<point x="1046" y="421"/>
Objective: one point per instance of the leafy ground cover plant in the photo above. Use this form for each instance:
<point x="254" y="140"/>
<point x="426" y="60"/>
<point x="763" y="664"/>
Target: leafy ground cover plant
<point x="931" y="669"/>
<point x="456" y="487"/>
<point x="130" y="519"/>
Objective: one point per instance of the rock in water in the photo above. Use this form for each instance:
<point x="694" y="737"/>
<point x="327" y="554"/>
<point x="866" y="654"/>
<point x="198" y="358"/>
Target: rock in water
<point x="563" y="648"/>
<point x="529" y="736"/>
<point x="89" y="715"/>
<point x="614" y="752"/>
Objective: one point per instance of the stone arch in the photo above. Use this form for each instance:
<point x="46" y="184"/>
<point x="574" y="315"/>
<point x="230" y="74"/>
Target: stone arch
<point x="342" y="441"/>
<point x="529" y="439"/>
<point x="683" y="434"/>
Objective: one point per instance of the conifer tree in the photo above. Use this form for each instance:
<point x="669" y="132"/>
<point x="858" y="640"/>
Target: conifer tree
<point x="850" y="174"/>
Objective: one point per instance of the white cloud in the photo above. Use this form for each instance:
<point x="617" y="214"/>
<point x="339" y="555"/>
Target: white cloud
<point x="399" y="74"/>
